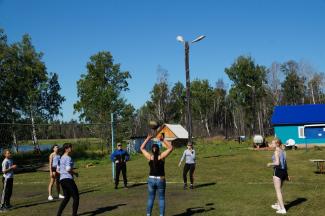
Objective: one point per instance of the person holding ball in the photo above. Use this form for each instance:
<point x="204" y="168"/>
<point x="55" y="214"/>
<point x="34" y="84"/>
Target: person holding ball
<point x="189" y="156"/>
<point x="156" y="180"/>
<point x="280" y="174"/>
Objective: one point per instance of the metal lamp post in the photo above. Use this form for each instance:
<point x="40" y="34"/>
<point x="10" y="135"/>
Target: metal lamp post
<point x="188" y="82"/>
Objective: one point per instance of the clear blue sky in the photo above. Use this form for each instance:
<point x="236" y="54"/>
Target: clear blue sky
<point x="141" y="35"/>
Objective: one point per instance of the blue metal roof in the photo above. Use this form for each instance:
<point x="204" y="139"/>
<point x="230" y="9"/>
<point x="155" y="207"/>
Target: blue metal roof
<point x="299" y="115"/>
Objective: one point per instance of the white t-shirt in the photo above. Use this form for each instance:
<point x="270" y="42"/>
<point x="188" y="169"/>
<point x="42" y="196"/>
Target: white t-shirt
<point x="6" y="164"/>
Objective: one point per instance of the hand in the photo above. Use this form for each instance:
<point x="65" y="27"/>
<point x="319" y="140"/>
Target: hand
<point x="116" y="161"/>
<point x="289" y="179"/>
<point x="13" y="167"/>
<point x="269" y="164"/>
<point x="149" y="136"/>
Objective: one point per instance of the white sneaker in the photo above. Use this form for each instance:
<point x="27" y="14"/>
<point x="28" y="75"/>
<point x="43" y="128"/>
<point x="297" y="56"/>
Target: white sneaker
<point x="50" y="198"/>
<point x="275" y="206"/>
<point x="61" y="196"/>
<point x="281" y="211"/>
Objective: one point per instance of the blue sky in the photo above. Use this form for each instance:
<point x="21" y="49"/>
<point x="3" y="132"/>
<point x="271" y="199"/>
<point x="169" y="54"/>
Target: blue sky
<point x="141" y="35"/>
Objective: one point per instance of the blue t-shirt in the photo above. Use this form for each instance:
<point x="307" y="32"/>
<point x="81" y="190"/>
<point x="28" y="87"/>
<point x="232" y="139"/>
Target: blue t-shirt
<point x="66" y="164"/>
<point x="55" y="161"/>
<point x="6" y="164"/>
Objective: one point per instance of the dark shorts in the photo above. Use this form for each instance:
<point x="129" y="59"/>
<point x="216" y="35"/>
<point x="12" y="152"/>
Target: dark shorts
<point x="281" y="174"/>
<point x="53" y="169"/>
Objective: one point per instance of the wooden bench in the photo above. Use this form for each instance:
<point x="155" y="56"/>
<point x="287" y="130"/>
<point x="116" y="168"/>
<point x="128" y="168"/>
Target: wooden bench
<point x="320" y="164"/>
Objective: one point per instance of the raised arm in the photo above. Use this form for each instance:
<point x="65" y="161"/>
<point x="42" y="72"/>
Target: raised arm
<point x="167" y="151"/>
<point x="145" y="153"/>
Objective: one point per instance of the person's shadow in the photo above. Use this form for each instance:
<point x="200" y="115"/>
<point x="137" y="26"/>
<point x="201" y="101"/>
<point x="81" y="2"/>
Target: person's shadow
<point x="102" y="210"/>
<point x="204" y="185"/>
<point x="295" y="202"/>
<point x="196" y="210"/>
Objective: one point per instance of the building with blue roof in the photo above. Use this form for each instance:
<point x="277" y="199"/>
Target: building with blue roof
<point x="305" y="124"/>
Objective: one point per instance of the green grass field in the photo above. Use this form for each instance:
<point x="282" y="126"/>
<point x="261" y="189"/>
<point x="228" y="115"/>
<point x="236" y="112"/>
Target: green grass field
<point x="230" y="179"/>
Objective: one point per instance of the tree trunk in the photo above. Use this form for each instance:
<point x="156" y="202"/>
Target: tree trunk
<point x="34" y="137"/>
<point x="207" y="126"/>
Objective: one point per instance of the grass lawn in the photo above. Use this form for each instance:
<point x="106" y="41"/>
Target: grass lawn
<point x="230" y="180"/>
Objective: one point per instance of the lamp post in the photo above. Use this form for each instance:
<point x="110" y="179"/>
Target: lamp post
<point x="254" y="107"/>
<point x="188" y="82"/>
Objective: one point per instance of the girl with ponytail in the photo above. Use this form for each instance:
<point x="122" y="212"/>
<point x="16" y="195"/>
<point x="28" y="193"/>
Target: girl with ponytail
<point x="156" y="180"/>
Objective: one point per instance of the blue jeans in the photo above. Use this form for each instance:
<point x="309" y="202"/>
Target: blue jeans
<point x="153" y="186"/>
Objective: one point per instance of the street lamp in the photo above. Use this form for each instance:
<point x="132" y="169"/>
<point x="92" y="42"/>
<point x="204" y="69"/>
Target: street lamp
<point x="188" y="83"/>
<point x="254" y="107"/>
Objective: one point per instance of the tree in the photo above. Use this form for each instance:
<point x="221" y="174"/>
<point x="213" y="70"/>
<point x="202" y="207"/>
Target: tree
<point x="293" y="87"/>
<point x="177" y="103"/>
<point x="248" y="87"/>
<point x="202" y="102"/>
<point x="100" y="93"/>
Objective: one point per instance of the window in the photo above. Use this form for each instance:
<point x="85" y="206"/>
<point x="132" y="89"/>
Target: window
<point x="301" y="132"/>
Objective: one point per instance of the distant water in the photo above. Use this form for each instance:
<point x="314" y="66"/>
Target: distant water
<point x="29" y="148"/>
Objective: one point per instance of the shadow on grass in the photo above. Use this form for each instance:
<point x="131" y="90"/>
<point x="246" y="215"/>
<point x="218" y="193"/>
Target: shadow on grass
<point x="295" y="202"/>
<point x="137" y="185"/>
<point x="204" y="185"/>
<point x="88" y="191"/>
<point x="35" y="204"/>
<point x="102" y="210"/>
<point x="197" y="210"/>
<point x="215" y="156"/>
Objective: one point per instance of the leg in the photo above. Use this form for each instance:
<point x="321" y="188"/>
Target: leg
<point x="192" y="169"/>
<point x="161" y="191"/>
<point x="10" y="183"/>
<point x="277" y="186"/>
<point x="67" y="194"/>
<point x="57" y="183"/>
<point x="51" y="185"/>
<point x="75" y="196"/>
<point x="151" y="195"/>
<point x="117" y="174"/>
<point x="4" y="182"/>
<point x="185" y="171"/>
<point x="125" y="180"/>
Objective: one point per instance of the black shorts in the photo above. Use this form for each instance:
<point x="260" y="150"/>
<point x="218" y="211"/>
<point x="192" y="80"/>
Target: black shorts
<point x="281" y="174"/>
<point x="53" y="169"/>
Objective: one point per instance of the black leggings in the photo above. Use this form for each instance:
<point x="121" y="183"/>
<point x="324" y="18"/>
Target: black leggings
<point x="69" y="190"/>
<point x="7" y="191"/>
<point x="191" y="168"/>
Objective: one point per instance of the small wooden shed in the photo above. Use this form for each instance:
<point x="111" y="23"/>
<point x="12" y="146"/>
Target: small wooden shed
<point x="175" y="133"/>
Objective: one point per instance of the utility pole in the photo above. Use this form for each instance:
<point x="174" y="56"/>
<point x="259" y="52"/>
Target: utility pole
<point x="188" y="83"/>
<point x="112" y="130"/>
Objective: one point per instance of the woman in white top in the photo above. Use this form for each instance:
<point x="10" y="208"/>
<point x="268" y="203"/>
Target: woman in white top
<point x="54" y="159"/>
<point x="189" y="156"/>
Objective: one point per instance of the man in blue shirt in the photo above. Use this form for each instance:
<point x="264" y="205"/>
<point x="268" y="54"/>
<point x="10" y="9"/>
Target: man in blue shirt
<point x="120" y="157"/>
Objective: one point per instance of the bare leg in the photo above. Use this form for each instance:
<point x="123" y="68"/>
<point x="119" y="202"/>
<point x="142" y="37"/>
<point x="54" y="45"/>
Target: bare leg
<point x="277" y="186"/>
<point x="51" y="185"/>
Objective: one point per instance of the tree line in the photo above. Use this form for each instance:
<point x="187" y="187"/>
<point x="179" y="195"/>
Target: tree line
<point x="29" y="94"/>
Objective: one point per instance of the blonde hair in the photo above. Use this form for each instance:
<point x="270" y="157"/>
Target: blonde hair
<point x="278" y="142"/>
<point x="5" y="151"/>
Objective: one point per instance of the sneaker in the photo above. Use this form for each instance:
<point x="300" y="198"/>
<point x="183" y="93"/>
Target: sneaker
<point x="192" y="186"/>
<point x="185" y="186"/>
<point x="7" y="206"/>
<point x="281" y="211"/>
<point x="275" y="206"/>
<point x="61" y="196"/>
<point x="50" y="198"/>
